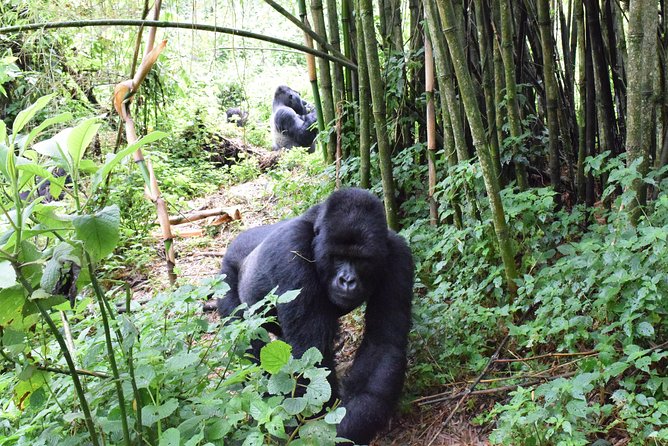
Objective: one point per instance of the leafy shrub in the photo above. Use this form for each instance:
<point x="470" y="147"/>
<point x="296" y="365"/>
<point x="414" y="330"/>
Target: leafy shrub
<point x="231" y="94"/>
<point x="600" y="291"/>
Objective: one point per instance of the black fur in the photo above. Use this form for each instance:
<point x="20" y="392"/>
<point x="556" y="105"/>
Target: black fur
<point x="340" y="254"/>
<point x="237" y="114"/>
<point x="291" y="120"/>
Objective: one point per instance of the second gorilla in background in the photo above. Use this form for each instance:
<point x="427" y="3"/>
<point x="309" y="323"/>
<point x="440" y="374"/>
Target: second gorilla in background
<point x="291" y="120"/>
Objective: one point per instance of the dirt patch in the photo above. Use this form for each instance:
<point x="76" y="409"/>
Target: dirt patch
<point x="199" y="256"/>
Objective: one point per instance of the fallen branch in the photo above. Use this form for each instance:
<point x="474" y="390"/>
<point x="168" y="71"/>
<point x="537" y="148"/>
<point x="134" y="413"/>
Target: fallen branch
<point x="232" y="214"/>
<point x="508" y="388"/>
<point x="548" y="355"/>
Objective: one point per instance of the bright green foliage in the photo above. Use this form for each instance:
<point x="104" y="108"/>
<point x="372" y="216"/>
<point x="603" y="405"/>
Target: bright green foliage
<point x="601" y="290"/>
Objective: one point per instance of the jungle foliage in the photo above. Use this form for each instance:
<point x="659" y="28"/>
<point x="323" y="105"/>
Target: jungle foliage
<point x="520" y="147"/>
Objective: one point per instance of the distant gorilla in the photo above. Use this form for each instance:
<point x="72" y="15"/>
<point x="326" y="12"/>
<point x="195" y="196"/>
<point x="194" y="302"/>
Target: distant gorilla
<point x="341" y="254"/>
<point x="291" y="119"/>
<point x="43" y="189"/>
<point x="237" y="114"/>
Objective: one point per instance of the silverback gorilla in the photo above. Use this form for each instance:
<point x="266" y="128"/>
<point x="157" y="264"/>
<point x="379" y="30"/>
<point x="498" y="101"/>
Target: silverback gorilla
<point x="291" y="119"/>
<point x="340" y="254"/>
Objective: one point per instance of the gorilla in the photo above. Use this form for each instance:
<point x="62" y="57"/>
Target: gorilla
<point x="291" y="120"/>
<point x="340" y="254"/>
<point x="237" y="114"/>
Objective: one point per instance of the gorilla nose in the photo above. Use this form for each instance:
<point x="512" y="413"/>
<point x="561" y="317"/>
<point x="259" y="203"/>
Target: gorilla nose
<point x="347" y="283"/>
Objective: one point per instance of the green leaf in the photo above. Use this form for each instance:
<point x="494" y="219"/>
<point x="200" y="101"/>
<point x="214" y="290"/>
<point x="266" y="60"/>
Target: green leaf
<point x="182" y="361"/>
<point x="288" y="296"/>
<point x="34" y="133"/>
<point x="52" y="270"/>
<point x="274" y="356"/>
<point x="171" y="437"/>
<point x="5" y="153"/>
<point x="26" y="115"/>
<point x="54" y="147"/>
<point x="11" y="303"/>
<point x="311" y="357"/>
<point x="318" y="390"/>
<point x="577" y="408"/>
<point x="294" y="406"/>
<point x="79" y="138"/>
<point x="335" y="416"/>
<point x="645" y="329"/>
<point x="254" y="439"/>
<point x="642" y="400"/>
<point x="566" y="250"/>
<point x="99" y="232"/>
<point x="152" y="413"/>
<point x="35" y="170"/>
<point x="317" y="433"/>
<point x="260" y="410"/>
<point x="112" y="162"/>
<point x="280" y="383"/>
<point x="3" y="133"/>
<point x="7" y="275"/>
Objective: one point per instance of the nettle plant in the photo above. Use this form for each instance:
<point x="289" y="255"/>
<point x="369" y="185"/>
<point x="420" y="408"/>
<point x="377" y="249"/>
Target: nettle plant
<point x="159" y="373"/>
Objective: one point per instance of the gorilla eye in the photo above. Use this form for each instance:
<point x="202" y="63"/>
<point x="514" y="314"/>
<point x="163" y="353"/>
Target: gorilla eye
<point x="316" y="231"/>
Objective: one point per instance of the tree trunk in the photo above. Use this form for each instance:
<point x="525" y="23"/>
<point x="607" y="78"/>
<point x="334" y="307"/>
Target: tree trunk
<point x="312" y="74"/>
<point x="604" y="106"/>
<point x="436" y="37"/>
<point x="580" y="112"/>
<point x="325" y="77"/>
<point x="642" y="55"/>
<point x="364" y="101"/>
<point x="551" y="92"/>
<point x="482" y="15"/>
<point x="431" y="129"/>
<point x="456" y="48"/>
<point x="379" y="114"/>
<point x="514" y="120"/>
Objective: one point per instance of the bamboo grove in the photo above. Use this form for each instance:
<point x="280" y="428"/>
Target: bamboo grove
<point x="532" y="91"/>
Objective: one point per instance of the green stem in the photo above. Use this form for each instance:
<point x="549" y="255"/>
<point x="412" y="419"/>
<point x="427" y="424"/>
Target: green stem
<point x="110" y="350"/>
<point x="68" y="359"/>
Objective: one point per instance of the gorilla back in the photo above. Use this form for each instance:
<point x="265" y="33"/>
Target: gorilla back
<point x="340" y="254"/>
<point x="291" y="120"/>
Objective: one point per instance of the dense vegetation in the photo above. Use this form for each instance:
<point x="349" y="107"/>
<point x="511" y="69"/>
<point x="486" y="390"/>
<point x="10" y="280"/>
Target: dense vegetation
<point x="519" y="147"/>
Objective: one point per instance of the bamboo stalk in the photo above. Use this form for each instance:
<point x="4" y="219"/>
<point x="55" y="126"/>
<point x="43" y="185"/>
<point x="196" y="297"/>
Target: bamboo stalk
<point x="306" y="28"/>
<point x="431" y="129"/>
<point x="379" y="112"/>
<point x="364" y="102"/>
<point x="480" y="142"/>
<point x="310" y="65"/>
<point x="514" y="119"/>
<point x="551" y="93"/>
<point x="325" y="78"/>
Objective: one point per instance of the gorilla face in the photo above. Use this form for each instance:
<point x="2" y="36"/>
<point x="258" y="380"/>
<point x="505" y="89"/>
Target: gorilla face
<point x="350" y="249"/>
<point x="286" y="96"/>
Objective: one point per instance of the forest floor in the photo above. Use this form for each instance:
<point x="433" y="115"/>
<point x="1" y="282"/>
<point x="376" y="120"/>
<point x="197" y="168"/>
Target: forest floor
<point x="199" y="257"/>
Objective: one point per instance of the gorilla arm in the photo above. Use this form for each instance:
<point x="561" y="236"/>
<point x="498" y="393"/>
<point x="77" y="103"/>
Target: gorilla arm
<point x="373" y="384"/>
<point x="294" y="129"/>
